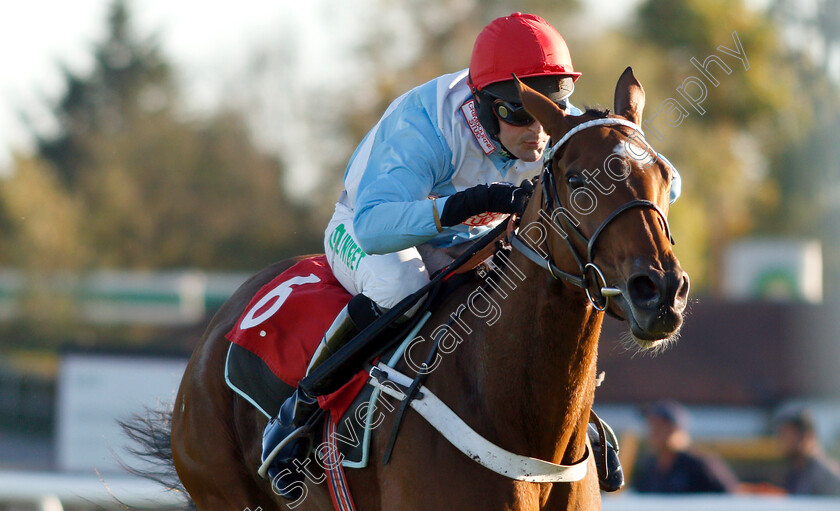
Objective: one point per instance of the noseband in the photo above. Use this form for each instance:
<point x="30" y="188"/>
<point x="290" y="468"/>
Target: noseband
<point x="589" y="272"/>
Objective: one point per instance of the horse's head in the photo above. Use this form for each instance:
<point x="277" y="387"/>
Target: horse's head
<point x="604" y="199"/>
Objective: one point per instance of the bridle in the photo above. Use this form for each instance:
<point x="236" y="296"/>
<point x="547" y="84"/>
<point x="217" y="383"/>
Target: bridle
<point x="589" y="272"/>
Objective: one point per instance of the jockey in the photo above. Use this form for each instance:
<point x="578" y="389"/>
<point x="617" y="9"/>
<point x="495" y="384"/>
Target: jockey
<point x="439" y="169"/>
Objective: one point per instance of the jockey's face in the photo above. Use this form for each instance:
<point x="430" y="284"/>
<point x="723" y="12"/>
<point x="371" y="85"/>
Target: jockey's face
<point x="525" y="142"/>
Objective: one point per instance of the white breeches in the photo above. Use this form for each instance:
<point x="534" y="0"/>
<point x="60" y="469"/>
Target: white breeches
<point x="386" y="279"/>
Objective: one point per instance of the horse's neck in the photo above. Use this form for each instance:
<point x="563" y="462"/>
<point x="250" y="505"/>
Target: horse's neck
<point x="535" y="366"/>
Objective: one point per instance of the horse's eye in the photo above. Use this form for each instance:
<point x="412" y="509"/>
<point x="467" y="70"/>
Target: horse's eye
<point x="575" y="181"/>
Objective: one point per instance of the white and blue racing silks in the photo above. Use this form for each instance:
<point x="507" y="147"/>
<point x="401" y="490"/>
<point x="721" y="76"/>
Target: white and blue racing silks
<point x="422" y="148"/>
<point x="425" y="148"/>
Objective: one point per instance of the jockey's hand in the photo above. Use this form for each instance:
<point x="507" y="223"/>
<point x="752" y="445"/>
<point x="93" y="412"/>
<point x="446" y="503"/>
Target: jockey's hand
<point x="494" y="198"/>
<point x="521" y="196"/>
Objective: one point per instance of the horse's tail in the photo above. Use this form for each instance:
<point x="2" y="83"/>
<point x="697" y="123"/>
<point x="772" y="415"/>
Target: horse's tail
<point x="150" y="437"/>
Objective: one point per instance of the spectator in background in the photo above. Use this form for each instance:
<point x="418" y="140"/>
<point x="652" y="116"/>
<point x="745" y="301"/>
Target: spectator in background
<point x="810" y="471"/>
<point x="672" y="467"/>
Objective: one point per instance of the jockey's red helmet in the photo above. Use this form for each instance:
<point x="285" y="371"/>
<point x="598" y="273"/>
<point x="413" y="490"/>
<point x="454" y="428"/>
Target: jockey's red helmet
<point x="525" y="45"/>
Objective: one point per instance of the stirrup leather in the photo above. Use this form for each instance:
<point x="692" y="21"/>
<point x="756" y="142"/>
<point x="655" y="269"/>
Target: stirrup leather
<point x="342" y="330"/>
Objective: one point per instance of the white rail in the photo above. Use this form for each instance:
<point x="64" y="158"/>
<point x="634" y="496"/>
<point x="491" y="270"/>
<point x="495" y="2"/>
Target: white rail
<point x="51" y="490"/>
<point x="636" y="502"/>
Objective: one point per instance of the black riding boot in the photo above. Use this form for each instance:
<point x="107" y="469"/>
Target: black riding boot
<point x="360" y="312"/>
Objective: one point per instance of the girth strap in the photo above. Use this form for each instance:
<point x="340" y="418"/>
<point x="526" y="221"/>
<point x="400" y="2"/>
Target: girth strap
<point x="473" y="445"/>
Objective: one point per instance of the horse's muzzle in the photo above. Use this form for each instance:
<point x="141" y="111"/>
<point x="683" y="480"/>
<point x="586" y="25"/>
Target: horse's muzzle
<point x="654" y="302"/>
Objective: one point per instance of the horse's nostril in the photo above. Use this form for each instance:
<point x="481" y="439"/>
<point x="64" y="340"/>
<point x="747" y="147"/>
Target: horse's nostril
<point x="682" y="291"/>
<point x="643" y="291"/>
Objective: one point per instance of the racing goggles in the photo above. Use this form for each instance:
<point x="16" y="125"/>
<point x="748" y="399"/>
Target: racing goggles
<point x="514" y="113"/>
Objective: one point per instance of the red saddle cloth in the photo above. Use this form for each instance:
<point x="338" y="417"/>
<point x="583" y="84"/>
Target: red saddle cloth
<point x="285" y="321"/>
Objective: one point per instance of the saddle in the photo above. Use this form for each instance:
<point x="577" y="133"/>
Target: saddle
<point x="277" y="334"/>
<point x="280" y="329"/>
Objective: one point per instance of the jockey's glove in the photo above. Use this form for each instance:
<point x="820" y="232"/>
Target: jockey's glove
<point x="493" y="198"/>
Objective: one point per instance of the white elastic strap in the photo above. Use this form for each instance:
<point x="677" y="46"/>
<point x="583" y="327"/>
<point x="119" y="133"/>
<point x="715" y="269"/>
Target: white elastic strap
<point x="476" y="447"/>
<point x="549" y="153"/>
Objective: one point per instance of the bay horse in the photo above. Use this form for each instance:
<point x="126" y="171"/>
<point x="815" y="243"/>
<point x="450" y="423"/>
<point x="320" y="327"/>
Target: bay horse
<point x="525" y="382"/>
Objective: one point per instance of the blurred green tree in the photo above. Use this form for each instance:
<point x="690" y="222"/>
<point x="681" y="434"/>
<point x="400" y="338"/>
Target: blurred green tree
<point x="779" y="172"/>
<point x="441" y="33"/>
<point x="130" y="79"/>
<point x="727" y="153"/>
<point x="41" y="222"/>
<point x="159" y="188"/>
<point x="805" y="167"/>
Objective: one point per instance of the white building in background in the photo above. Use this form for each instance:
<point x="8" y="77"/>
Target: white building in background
<point x="95" y="390"/>
<point x="779" y="269"/>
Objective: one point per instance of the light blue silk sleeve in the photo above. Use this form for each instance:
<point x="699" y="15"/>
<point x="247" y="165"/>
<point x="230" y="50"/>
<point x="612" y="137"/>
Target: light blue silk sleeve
<point x="408" y="158"/>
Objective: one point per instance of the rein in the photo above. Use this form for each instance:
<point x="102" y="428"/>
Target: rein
<point x="587" y="268"/>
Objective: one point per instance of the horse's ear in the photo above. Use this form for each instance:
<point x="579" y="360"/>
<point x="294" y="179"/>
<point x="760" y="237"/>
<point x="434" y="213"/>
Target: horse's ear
<point x="545" y="111"/>
<point x="629" y="96"/>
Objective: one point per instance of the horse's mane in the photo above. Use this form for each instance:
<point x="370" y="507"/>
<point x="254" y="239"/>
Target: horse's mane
<point x="597" y="112"/>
